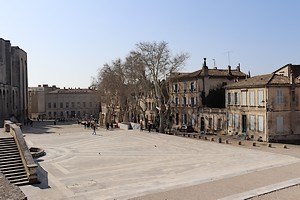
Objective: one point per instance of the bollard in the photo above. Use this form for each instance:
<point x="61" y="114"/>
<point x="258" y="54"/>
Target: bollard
<point x="205" y="138"/>
<point x="254" y="144"/>
<point x="212" y="139"/>
<point x="284" y="146"/>
<point x="220" y="140"/>
<point x="239" y="142"/>
<point x="199" y="137"/>
<point x="269" y="145"/>
<point x="226" y="141"/>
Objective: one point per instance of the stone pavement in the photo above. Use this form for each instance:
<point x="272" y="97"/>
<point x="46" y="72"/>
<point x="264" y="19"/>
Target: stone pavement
<point x="124" y="164"/>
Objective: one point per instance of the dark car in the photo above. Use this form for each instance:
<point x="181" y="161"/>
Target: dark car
<point x="187" y="129"/>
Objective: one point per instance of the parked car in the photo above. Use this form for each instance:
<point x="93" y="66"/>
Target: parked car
<point x="187" y="129"/>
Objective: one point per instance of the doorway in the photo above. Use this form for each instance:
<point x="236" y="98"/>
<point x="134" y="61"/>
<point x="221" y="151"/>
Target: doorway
<point x="244" y="123"/>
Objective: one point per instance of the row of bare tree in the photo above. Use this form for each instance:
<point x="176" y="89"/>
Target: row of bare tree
<point x="126" y="84"/>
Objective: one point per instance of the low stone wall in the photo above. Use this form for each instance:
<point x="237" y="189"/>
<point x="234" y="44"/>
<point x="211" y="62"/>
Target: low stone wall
<point x="10" y="191"/>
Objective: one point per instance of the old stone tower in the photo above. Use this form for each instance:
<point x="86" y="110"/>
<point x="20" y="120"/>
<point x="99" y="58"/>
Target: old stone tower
<point x="13" y="82"/>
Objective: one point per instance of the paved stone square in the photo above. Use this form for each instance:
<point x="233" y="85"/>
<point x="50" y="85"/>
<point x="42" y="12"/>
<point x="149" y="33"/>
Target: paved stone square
<point x="123" y="164"/>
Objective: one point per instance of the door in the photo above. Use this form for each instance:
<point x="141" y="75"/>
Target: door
<point x="244" y="123"/>
<point x="202" y="128"/>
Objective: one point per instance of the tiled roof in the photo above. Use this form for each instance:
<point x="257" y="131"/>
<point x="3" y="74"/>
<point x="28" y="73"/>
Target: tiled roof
<point x="71" y="91"/>
<point x="211" y="73"/>
<point x="259" y="81"/>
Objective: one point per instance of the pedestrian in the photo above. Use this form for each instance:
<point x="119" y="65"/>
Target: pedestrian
<point x="94" y="128"/>
<point x="141" y="126"/>
<point x="107" y="126"/>
<point x="111" y="125"/>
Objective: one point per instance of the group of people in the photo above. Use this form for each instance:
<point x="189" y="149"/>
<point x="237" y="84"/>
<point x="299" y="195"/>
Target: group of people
<point x="111" y="125"/>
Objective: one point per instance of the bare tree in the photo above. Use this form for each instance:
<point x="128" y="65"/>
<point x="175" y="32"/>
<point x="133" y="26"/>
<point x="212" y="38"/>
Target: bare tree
<point x="138" y="83"/>
<point x="158" y="64"/>
<point x="112" y="86"/>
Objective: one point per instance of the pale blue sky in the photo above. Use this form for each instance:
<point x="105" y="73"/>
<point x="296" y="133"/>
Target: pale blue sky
<point x="67" y="41"/>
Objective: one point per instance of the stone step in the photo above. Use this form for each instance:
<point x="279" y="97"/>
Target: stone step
<point x="14" y="171"/>
<point x="3" y="153"/>
<point x="3" y="165"/>
<point x="9" y="158"/>
<point x="15" y="174"/>
<point x="20" y="181"/>
<point x="9" y="168"/>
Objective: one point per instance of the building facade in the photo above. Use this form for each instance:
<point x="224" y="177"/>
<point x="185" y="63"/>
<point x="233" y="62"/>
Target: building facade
<point x="190" y="92"/>
<point x="13" y="83"/>
<point x="64" y="104"/>
<point x="266" y="107"/>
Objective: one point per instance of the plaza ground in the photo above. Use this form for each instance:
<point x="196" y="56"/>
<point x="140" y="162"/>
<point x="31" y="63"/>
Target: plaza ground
<point x="129" y="164"/>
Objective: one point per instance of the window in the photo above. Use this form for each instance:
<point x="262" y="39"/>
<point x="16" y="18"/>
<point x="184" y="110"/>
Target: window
<point x="252" y="98"/>
<point x="192" y="87"/>
<point x="184" y="86"/>
<point x="176" y="101"/>
<point x="260" y="123"/>
<point x="260" y="98"/>
<point x="78" y="104"/>
<point x="279" y="124"/>
<point x="229" y="119"/>
<point x="184" y="119"/>
<point x="210" y="123"/>
<point x="72" y="104"/>
<point x="54" y="113"/>
<point x="61" y="104"/>
<point x="252" y="122"/>
<point x="293" y="96"/>
<point x="184" y="101"/>
<point x="54" y="105"/>
<point x="236" y="121"/>
<point x="193" y="119"/>
<point x="83" y="104"/>
<point x="176" y="88"/>
<point x="279" y="97"/>
<point x="67" y="104"/>
<point x="49" y="105"/>
<point x="49" y="114"/>
<point x="193" y="101"/>
<point x="236" y="98"/>
<point x="244" y="98"/>
<point x="229" y="98"/>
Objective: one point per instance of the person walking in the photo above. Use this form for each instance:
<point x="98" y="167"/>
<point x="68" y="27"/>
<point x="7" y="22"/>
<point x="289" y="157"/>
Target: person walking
<point x="94" y="128"/>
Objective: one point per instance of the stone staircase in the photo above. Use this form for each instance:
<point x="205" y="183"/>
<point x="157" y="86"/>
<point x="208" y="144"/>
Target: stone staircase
<point x="11" y="163"/>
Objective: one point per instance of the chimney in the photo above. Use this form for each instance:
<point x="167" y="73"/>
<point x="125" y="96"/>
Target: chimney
<point x="238" y="68"/>
<point x="229" y="70"/>
<point x="292" y="80"/>
<point x="205" y="68"/>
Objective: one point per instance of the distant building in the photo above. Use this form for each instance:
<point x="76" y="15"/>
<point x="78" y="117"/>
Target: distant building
<point x="13" y="83"/>
<point x="37" y="101"/>
<point x="266" y="107"/>
<point x="63" y="104"/>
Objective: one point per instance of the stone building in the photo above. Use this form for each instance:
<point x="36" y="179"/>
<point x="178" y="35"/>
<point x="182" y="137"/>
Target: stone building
<point x="64" y="104"/>
<point x="37" y="101"/>
<point x="266" y="107"/>
<point x="13" y="83"/>
<point x="200" y="89"/>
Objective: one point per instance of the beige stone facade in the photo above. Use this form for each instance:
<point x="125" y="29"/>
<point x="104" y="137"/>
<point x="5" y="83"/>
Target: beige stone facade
<point x="266" y="106"/>
<point x="190" y="92"/>
<point x="13" y="82"/>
